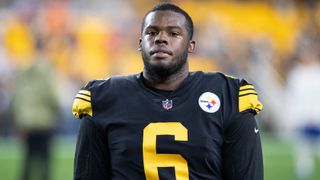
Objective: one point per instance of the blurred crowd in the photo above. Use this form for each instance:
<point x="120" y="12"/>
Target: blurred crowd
<point x="262" y="41"/>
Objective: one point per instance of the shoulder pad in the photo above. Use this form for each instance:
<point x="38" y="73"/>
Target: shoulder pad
<point x="248" y="98"/>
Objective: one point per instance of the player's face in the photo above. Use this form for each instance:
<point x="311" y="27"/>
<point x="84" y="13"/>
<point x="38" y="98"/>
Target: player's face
<point x="165" y="43"/>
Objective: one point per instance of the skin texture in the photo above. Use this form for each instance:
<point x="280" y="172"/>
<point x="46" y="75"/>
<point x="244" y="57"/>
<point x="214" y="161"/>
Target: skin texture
<point x="164" y="46"/>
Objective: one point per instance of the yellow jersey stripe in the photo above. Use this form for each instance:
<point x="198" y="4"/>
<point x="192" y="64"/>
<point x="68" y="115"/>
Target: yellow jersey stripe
<point x="85" y="92"/>
<point x="251" y="91"/>
<point x="247" y="89"/>
<point x="248" y="94"/>
<point x="84" y="97"/>
<point x="249" y="86"/>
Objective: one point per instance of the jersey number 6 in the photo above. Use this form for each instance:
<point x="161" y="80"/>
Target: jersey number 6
<point x="152" y="160"/>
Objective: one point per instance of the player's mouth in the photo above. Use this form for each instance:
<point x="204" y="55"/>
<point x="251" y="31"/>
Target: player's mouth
<point x="160" y="53"/>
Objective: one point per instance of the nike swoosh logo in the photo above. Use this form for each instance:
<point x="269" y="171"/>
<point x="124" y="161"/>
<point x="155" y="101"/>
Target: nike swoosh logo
<point x="256" y="130"/>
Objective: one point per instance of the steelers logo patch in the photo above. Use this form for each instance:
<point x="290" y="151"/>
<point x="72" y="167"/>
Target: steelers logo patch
<point x="209" y="102"/>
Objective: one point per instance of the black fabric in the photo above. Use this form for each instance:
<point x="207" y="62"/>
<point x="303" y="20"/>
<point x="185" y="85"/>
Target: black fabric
<point x="91" y="156"/>
<point x="242" y="152"/>
<point x="129" y="119"/>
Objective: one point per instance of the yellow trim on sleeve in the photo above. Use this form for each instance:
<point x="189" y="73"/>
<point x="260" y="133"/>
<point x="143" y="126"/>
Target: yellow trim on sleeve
<point x="81" y="107"/>
<point x="229" y="76"/>
<point x="85" y="92"/>
<point x="250" y="101"/>
<point x="249" y="91"/>
<point x="249" y="86"/>
<point x="83" y="97"/>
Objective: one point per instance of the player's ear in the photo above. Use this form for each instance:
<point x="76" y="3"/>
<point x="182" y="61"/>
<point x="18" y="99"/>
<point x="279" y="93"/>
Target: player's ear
<point x="139" y="47"/>
<point x="191" y="46"/>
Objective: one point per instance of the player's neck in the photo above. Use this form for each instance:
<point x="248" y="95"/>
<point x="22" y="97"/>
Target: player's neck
<point x="170" y="83"/>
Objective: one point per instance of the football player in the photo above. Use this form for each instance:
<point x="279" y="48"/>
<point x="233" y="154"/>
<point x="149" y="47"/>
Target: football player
<point x="167" y="122"/>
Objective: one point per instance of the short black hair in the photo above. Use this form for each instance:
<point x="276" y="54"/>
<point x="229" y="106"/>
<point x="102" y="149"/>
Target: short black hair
<point x="165" y="6"/>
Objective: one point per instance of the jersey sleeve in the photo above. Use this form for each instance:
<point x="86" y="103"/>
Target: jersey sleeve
<point x="92" y="157"/>
<point x="82" y="104"/>
<point x="248" y="98"/>
<point x="242" y="152"/>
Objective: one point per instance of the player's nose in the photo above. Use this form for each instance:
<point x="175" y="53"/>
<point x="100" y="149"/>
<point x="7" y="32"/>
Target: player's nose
<point x="161" y="38"/>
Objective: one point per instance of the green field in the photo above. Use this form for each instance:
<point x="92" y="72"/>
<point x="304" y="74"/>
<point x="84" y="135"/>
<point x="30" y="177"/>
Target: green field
<point x="278" y="159"/>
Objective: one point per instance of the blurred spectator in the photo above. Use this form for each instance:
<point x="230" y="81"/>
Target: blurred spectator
<point x="92" y="56"/>
<point x="303" y="115"/>
<point x="19" y="41"/>
<point x="53" y="32"/>
<point x="6" y="73"/>
<point x="35" y="110"/>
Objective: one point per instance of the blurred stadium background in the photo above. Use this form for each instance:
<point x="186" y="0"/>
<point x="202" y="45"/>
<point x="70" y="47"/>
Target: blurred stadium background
<point x="261" y="41"/>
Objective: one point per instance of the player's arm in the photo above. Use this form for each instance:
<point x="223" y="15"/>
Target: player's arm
<point x="92" y="156"/>
<point x="242" y="152"/>
<point x="92" y="159"/>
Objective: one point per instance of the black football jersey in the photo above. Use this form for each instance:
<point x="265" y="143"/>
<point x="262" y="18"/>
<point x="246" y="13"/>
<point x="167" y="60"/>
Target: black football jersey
<point x="205" y="129"/>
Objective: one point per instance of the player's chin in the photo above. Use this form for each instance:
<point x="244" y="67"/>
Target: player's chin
<point x="161" y="63"/>
<point x="165" y="60"/>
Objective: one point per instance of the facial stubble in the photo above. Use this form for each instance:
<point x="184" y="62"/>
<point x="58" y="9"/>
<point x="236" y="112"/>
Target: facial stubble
<point x="161" y="71"/>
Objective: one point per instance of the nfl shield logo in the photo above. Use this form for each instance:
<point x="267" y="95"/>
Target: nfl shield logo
<point x="167" y="104"/>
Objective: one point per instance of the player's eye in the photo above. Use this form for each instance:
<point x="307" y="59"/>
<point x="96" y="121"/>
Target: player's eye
<point x="151" y="33"/>
<point x="174" y="33"/>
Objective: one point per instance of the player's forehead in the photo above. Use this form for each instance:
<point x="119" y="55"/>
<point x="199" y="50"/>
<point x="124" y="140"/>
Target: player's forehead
<point x="165" y="18"/>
